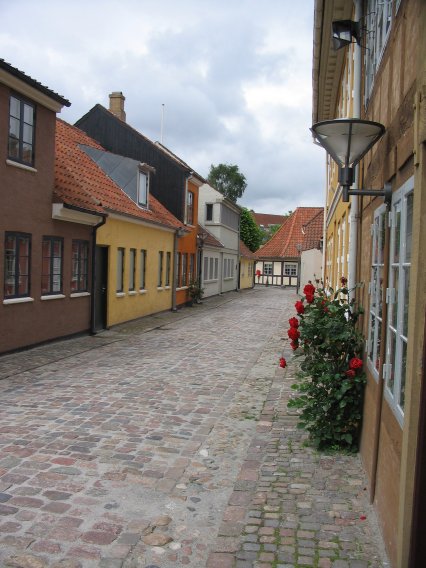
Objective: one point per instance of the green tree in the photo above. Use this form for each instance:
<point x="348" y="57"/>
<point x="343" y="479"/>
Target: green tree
<point x="227" y="179"/>
<point x="250" y="233"/>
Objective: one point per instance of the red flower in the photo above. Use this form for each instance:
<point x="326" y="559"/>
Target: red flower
<point x="293" y="333"/>
<point x="294" y="322"/>
<point x="344" y="281"/>
<point x="300" y="308"/>
<point x="309" y="298"/>
<point x="355" y="363"/>
<point x="350" y="373"/>
<point x="283" y="363"/>
<point x="294" y="344"/>
<point x="309" y="290"/>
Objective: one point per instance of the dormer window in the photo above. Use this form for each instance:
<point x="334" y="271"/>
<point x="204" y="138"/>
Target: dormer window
<point x="143" y="184"/>
<point x="21" y="131"/>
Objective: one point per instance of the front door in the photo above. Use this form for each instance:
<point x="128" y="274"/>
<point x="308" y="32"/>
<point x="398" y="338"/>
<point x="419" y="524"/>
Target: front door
<point x="101" y="288"/>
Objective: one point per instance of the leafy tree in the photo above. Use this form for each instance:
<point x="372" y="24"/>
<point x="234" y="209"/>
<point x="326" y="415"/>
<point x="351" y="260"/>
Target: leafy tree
<point x="250" y="233"/>
<point x="227" y="179"/>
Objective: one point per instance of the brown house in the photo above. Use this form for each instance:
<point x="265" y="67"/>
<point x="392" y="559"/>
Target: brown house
<point x="45" y="273"/>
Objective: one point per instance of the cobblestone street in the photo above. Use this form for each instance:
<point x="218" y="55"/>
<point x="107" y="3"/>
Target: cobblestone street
<point x="167" y="442"/>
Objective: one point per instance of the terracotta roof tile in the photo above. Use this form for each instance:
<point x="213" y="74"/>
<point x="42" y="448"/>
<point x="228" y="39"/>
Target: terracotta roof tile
<point x="80" y="182"/>
<point x="265" y="219"/>
<point x="210" y="240"/>
<point x="313" y="232"/>
<point x="246" y="252"/>
<point x="287" y="241"/>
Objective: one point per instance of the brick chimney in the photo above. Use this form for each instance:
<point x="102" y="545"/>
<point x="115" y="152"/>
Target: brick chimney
<point x="116" y="105"/>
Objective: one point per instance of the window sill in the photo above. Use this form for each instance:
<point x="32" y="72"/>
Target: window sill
<point x="18" y="300"/>
<point x="132" y="293"/>
<point x="53" y="297"/>
<point x="21" y="166"/>
<point x="160" y="288"/>
<point x="79" y="294"/>
<point x="167" y="288"/>
<point x="143" y="291"/>
<point x="120" y="294"/>
<point x="181" y="288"/>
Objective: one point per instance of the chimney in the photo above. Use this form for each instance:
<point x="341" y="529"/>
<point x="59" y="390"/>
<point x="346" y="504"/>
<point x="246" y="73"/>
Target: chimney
<point x="116" y="105"/>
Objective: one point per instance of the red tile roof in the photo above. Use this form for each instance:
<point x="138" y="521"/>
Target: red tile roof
<point x="209" y="240"/>
<point x="313" y="232"/>
<point x="265" y="219"/>
<point x="287" y="241"/>
<point x="246" y="252"/>
<point x="80" y="182"/>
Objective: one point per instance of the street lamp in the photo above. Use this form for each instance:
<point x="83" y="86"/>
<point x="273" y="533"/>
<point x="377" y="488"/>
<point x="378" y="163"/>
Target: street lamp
<point x="347" y="140"/>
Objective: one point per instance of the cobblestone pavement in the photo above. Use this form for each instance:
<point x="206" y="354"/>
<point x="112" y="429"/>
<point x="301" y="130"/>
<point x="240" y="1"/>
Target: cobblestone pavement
<point x="167" y="442"/>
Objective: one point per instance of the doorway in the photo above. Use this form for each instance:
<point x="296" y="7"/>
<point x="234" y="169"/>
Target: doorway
<point x="101" y="288"/>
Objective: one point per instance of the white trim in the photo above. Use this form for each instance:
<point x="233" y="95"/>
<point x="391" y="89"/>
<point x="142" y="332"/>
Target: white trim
<point x="79" y="294"/>
<point x="62" y="213"/>
<point x="160" y="288"/>
<point x="132" y="293"/>
<point x="18" y="300"/>
<point x="120" y="294"/>
<point x="143" y="291"/>
<point x="53" y="297"/>
<point x="21" y="166"/>
<point x="136" y="221"/>
<point x="30" y="92"/>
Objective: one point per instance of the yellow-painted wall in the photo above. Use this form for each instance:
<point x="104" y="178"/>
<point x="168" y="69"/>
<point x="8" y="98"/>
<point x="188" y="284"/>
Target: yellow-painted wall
<point x="246" y="272"/>
<point x="129" y="305"/>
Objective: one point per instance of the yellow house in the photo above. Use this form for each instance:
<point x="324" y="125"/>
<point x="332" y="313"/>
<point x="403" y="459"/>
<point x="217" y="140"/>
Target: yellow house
<point x="132" y="256"/>
<point x="247" y="264"/>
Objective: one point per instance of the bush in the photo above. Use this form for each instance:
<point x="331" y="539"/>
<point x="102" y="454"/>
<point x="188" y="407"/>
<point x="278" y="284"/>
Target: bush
<point x="331" y="381"/>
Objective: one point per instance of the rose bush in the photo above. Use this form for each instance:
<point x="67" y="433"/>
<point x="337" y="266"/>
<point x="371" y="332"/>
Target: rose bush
<point x="331" y="380"/>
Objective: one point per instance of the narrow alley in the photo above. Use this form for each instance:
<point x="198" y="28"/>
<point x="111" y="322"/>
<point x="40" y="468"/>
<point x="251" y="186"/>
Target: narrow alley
<point x="167" y="442"/>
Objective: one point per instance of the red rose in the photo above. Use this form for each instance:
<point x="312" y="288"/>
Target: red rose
<point x="293" y="333"/>
<point x="355" y="363"/>
<point x="300" y="308"/>
<point x="344" y="281"/>
<point x="283" y="363"/>
<point x="294" y="322"/>
<point x="309" y="290"/>
<point x="350" y="373"/>
<point x="309" y="298"/>
<point x="294" y="344"/>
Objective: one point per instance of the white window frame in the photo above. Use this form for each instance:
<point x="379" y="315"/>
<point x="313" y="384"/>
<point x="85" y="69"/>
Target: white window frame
<point x="143" y="189"/>
<point x="268" y="268"/>
<point x="375" y="319"/>
<point x="290" y="269"/>
<point x="398" y="301"/>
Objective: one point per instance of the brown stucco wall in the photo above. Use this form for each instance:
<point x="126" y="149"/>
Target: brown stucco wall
<point x="27" y="207"/>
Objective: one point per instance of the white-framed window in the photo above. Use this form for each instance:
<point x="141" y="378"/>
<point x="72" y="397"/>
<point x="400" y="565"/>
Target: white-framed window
<point x="191" y="275"/>
<point x="160" y="268"/>
<point x="190" y="208"/>
<point x="267" y="268"/>
<point x="120" y="270"/>
<point x="209" y="211"/>
<point x="290" y="269"/>
<point x="132" y="269"/>
<point x="378" y="230"/>
<point x="21" y="130"/>
<point x="216" y="268"/>
<point x="17" y="265"/>
<point x="378" y="24"/>
<point x="211" y="268"/>
<point x="143" y="183"/>
<point x="397" y="296"/>
<point x="206" y="268"/>
<point x="142" y="269"/>
<point x="51" y="271"/>
<point x="80" y="266"/>
<point x="168" y="267"/>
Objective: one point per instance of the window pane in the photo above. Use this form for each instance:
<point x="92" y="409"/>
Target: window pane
<point x="409" y="228"/>
<point x="397" y="236"/>
<point x="142" y="269"/>
<point x="27" y="152"/>
<point x="15" y="107"/>
<point x="28" y="134"/>
<point x="143" y="189"/>
<point x="14" y="127"/>
<point x="28" y="114"/>
<point x="120" y="265"/>
<point x="406" y="270"/>
<point x="211" y="269"/>
<point x="403" y="371"/>
<point x="216" y="268"/>
<point x="391" y="360"/>
<point x="371" y="337"/>
<point x="206" y="268"/>
<point x="377" y="345"/>
<point x="132" y="263"/>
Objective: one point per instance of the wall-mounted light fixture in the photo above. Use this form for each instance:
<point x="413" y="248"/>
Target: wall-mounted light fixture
<point x="344" y="31"/>
<point x="347" y="140"/>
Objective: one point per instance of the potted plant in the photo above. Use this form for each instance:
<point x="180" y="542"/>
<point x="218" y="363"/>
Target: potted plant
<point x="195" y="292"/>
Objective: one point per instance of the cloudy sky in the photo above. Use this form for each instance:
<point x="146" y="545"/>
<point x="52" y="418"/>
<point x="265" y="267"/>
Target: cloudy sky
<point x="234" y="77"/>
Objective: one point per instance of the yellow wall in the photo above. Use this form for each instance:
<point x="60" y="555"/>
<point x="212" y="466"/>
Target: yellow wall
<point x="130" y="305"/>
<point x="246" y="279"/>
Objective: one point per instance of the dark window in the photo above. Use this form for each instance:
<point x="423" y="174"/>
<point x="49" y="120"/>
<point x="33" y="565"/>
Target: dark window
<point x="184" y="269"/>
<point x="132" y="269"/>
<point x="80" y="266"/>
<point x="51" y="265"/>
<point x="17" y="265"/>
<point x="209" y="212"/>
<point x="168" y="267"/>
<point x="160" y="268"/>
<point x="21" y="131"/>
<point x="142" y="268"/>
<point x="120" y="269"/>
<point x="190" y="208"/>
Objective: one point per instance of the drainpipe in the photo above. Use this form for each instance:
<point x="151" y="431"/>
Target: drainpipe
<point x="355" y="215"/>
<point x="93" y="261"/>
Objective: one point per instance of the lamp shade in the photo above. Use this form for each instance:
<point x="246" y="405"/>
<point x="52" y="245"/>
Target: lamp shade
<point x="347" y="140"/>
<point x="343" y="32"/>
